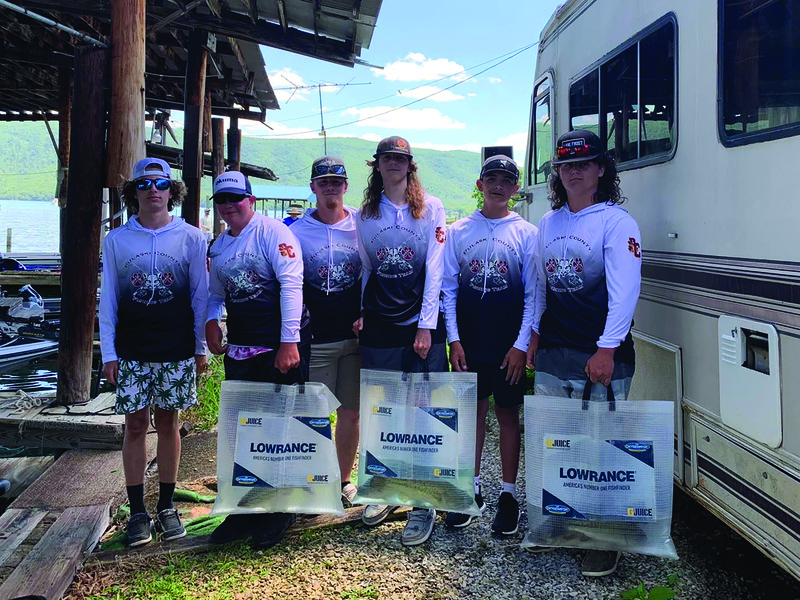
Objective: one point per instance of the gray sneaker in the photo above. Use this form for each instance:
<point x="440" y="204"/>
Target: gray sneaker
<point x="168" y="524"/>
<point x="348" y="493"/>
<point x="377" y="513"/>
<point x="138" y="530"/>
<point x="599" y="563"/>
<point x="419" y="526"/>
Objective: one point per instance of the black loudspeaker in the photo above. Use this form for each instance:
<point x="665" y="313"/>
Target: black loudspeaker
<point x="488" y="151"/>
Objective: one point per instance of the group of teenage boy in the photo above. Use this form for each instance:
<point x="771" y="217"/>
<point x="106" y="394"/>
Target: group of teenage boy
<point x="387" y="286"/>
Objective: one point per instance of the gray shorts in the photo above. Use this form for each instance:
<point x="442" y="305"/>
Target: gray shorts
<point x="338" y="366"/>
<point x="560" y="372"/>
<point x="167" y="385"/>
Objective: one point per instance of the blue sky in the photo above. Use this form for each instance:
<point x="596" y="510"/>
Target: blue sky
<point x="418" y="42"/>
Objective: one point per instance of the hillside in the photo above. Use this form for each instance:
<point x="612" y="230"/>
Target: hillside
<point x="28" y="165"/>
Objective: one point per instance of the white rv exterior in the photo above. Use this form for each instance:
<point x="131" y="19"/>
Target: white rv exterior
<point x="712" y="174"/>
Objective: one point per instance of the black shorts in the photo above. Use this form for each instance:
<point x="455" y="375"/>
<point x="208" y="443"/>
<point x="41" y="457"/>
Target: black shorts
<point x="390" y="347"/>
<point x="492" y="382"/>
<point x="261" y="367"/>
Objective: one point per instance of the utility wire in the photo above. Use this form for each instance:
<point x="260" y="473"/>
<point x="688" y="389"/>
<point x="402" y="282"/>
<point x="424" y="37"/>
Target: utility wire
<point x="509" y="55"/>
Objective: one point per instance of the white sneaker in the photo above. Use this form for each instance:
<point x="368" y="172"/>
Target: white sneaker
<point x="348" y="493"/>
<point x="377" y="513"/>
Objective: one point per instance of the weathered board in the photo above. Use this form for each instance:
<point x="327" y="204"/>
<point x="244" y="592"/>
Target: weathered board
<point x="31" y="422"/>
<point x="23" y="471"/>
<point x="15" y="526"/>
<point x="48" y="569"/>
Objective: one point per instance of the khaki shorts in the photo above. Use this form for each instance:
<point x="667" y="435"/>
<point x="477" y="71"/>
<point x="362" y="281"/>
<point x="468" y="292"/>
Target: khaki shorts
<point x="338" y="365"/>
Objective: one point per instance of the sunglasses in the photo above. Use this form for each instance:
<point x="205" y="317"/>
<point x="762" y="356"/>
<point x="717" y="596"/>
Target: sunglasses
<point x="161" y="184"/>
<point x="229" y="198"/>
<point x="574" y="151"/>
<point x="326" y="169"/>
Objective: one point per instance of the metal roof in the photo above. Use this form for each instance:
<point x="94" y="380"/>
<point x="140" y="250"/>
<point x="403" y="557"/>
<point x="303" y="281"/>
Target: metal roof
<point x="283" y="192"/>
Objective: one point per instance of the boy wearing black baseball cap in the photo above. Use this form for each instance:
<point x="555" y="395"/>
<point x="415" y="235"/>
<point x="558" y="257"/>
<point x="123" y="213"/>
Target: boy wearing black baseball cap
<point x="488" y="292"/>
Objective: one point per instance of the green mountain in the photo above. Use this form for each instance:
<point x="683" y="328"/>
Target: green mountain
<point x="28" y="165"/>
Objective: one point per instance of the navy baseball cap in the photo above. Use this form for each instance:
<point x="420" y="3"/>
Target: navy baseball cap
<point x="501" y="163"/>
<point x="232" y="182"/>
<point x="394" y="145"/>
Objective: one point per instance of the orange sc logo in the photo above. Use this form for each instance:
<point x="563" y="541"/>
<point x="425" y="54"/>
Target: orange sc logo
<point x="286" y="250"/>
<point x="401" y="143"/>
<point x="633" y="247"/>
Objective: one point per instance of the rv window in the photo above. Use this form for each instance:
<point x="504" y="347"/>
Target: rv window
<point x="635" y="112"/>
<point x="621" y="104"/>
<point x="760" y="63"/>
<point x="543" y="134"/>
<point x="584" y="103"/>
<point x="657" y="84"/>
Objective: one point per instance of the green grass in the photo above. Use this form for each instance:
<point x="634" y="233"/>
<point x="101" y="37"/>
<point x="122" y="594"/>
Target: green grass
<point x="204" y="415"/>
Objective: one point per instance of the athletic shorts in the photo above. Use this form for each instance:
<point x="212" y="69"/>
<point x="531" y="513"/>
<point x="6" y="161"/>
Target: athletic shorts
<point x="167" y="385"/>
<point x="492" y="382"/>
<point x="338" y="366"/>
<point x="560" y="372"/>
<point x="261" y="367"/>
<point x="390" y="347"/>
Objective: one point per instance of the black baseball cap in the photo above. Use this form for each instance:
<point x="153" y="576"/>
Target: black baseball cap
<point x="394" y="145"/>
<point x="328" y="166"/>
<point x="500" y="162"/>
<point x="577" y="146"/>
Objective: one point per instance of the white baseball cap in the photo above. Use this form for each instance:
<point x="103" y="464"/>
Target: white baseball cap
<point x="151" y="167"/>
<point x="232" y="182"/>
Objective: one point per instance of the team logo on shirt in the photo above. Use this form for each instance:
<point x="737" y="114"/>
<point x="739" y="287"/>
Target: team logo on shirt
<point x="634" y="247"/>
<point x="138" y="279"/>
<point x="491" y="279"/>
<point x="286" y="250"/>
<point x="440" y="235"/>
<point x="564" y="275"/>
<point x="153" y="288"/>
<point x="167" y="279"/>
<point x="338" y="277"/>
<point x="394" y="261"/>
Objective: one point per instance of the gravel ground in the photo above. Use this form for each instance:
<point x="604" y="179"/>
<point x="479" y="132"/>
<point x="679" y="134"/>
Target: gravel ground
<point x="355" y="562"/>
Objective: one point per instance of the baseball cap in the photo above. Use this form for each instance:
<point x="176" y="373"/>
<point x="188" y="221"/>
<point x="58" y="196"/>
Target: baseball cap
<point x="232" y="182"/>
<point x="393" y="145"/>
<point x="294" y="210"/>
<point x="577" y="146"/>
<point x="151" y="167"/>
<point x="500" y="162"/>
<point x="328" y="166"/>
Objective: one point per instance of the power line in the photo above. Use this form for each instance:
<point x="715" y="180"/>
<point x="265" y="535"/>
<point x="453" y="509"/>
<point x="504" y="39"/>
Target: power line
<point x="510" y="55"/>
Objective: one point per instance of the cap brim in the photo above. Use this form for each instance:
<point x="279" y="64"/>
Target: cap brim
<point x="573" y="160"/>
<point x="500" y="171"/>
<point x="234" y="191"/>
<point x="377" y="154"/>
<point x="329" y="175"/>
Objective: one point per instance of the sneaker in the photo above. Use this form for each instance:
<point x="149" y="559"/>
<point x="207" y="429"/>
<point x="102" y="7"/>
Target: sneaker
<point x="599" y="563"/>
<point x="348" y="493"/>
<point x="377" y="513"/>
<point x="138" y="530"/>
<point x="234" y="528"/>
<point x="168" y="524"/>
<point x="419" y="526"/>
<point x="456" y="520"/>
<point x="506" y="521"/>
<point x="5" y="485"/>
<point x="271" y="529"/>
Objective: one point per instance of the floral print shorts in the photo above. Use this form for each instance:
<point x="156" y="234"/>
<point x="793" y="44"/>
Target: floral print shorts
<point x="167" y="385"/>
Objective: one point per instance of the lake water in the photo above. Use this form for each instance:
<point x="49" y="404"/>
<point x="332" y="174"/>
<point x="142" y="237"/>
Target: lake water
<point x="34" y="224"/>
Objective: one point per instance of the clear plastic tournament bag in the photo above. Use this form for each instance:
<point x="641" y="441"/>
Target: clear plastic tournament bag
<point x="418" y="440"/>
<point x="275" y="451"/>
<point x="599" y="474"/>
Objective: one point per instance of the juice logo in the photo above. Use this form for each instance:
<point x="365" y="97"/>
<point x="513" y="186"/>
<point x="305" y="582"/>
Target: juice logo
<point x="552" y="443"/>
<point x="253" y="421"/>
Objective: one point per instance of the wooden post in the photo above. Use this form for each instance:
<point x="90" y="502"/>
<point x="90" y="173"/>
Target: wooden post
<point x="80" y="259"/>
<point x="193" y="126"/>
<point x="126" y="128"/>
<point x="207" y="142"/>
<point x="9" y="233"/>
<point x="64" y="128"/>
<point x="217" y="163"/>
<point x="234" y="146"/>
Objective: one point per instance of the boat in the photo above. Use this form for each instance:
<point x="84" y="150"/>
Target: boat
<point x="19" y="350"/>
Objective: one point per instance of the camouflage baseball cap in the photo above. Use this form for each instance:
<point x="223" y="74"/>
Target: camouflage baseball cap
<point x="394" y="145"/>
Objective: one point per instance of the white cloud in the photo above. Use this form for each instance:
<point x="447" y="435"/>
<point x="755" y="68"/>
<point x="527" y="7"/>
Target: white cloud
<point x="495" y="80"/>
<point x="286" y="78"/>
<point x="403" y="118"/>
<point x="436" y="94"/>
<point x="472" y="94"/>
<point x="415" y="67"/>
<point x="448" y="147"/>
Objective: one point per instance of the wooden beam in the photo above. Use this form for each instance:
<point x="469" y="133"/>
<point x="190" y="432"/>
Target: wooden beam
<point x="126" y="129"/>
<point x="15" y="525"/>
<point x="218" y="111"/>
<point x="64" y="133"/>
<point x="207" y="121"/>
<point x="217" y="162"/>
<point x="81" y="257"/>
<point x="234" y="149"/>
<point x="282" y="15"/>
<point x="193" y="126"/>
<point x="30" y="55"/>
<point x="240" y="59"/>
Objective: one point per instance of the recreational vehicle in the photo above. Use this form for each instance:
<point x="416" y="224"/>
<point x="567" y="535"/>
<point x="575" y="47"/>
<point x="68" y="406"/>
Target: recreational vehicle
<point x="699" y="102"/>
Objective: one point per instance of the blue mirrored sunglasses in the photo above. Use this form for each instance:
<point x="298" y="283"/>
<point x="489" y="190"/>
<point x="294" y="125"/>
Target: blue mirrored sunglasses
<point x="161" y="184"/>
<point x="325" y="169"/>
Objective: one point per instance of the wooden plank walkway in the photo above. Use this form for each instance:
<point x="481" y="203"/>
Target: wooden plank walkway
<point x="23" y="471"/>
<point x="30" y="421"/>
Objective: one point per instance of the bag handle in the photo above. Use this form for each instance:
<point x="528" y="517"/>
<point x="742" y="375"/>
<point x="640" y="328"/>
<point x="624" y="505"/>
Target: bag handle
<point x="587" y="394"/>
<point x="408" y="361"/>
